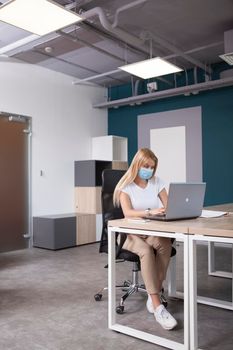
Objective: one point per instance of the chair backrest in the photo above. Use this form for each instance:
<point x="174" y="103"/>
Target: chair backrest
<point x="110" y="178"/>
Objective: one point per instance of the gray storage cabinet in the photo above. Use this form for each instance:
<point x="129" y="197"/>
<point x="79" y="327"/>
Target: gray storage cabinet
<point x="54" y="231"/>
<point x="88" y="173"/>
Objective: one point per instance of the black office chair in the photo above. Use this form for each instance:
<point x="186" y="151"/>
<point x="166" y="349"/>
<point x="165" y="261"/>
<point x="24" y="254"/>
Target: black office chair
<point x="110" y="178"/>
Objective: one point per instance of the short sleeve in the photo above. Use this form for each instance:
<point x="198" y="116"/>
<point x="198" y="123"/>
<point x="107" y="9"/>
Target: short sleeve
<point x="160" y="184"/>
<point x="125" y="189"/>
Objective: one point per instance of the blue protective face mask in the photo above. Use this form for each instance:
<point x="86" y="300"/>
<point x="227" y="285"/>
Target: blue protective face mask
<point x="145" y="173"/>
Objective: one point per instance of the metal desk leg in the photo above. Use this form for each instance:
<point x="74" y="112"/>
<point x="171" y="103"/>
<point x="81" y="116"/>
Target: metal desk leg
<point x="111" y="279"/>
<point x="211" y="258"/>
<point x="162" y="341"/>
<point x="172" y="277"/>
<point x="232" y="274"/>
<point x="186" y="293"/>
<point x="193" y="293"/>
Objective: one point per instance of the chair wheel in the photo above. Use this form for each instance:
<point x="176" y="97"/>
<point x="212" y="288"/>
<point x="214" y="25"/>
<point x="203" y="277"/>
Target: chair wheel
<point x="164" y="303"/>
<point x="98" y="297"/>
<point x="120" y="309"/>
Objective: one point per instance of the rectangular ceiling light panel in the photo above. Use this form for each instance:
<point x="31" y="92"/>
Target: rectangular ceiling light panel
<point x="151" y="68"/>
<point x="37" y="16"/>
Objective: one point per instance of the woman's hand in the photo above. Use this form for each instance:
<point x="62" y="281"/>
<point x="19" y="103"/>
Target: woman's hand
<point x="157" y="211"/>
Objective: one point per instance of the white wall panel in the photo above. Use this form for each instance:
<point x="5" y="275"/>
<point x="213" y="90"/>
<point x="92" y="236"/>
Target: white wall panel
<point x="172" y="158"/>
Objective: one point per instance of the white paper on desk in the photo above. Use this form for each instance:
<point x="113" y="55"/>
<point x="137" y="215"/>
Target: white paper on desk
<point x="212" y="214"/>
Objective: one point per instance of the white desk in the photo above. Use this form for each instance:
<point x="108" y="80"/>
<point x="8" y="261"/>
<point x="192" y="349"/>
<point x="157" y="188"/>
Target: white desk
<point x="189" y="232"/>
<point x="210" y="230"/>
<point x="177" y="230"/>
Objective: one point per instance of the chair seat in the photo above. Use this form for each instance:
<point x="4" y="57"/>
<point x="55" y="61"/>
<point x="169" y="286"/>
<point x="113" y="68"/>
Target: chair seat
<point x="173" y="252"/>
<point x="128" y="256"/>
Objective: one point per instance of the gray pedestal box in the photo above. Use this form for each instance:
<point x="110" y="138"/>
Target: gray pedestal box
<point x="54" y="231"/>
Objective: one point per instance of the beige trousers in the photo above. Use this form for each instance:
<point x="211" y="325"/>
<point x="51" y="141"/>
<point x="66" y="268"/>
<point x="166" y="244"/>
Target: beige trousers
<point x="153" y="266"/>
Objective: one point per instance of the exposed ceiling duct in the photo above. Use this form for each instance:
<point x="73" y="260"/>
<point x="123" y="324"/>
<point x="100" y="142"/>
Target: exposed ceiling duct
<point x="109" y="35"/>
<point x="138" y="42"/>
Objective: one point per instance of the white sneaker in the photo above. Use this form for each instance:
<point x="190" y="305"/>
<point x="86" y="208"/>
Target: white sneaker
<point x="149" y="304"/>
<point x="164" y="318"/>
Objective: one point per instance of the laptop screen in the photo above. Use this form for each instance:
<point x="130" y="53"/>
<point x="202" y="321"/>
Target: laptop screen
<point x="185" y="200"/>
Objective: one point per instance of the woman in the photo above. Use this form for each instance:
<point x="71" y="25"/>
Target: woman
<point x="140" y="193"/>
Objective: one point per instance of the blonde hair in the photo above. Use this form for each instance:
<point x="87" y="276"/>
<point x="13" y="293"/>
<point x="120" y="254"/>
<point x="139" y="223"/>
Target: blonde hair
<point x="140" y="158"/>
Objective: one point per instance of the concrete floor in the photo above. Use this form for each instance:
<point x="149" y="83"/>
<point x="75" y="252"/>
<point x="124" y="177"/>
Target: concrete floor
<point x="46" y="302"/>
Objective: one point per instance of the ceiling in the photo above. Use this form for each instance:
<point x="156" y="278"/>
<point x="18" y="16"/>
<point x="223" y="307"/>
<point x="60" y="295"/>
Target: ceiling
<point x="189" y="33"/>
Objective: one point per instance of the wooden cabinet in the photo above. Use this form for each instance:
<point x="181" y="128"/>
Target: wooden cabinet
<point x="88" y="228"/>
<point x="118" y="165"/>
<point x="88" y="200"/>
<point x="85" y="228"/>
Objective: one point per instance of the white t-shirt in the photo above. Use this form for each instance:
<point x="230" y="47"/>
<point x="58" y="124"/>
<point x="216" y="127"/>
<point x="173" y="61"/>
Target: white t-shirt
<point x="144" y="198"/>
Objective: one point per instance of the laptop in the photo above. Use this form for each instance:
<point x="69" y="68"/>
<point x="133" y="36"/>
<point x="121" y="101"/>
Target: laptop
<point x="185" y="201"/>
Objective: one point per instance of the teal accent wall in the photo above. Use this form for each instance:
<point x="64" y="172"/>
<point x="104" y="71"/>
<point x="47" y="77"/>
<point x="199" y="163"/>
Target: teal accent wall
<point x="217" y="134"/>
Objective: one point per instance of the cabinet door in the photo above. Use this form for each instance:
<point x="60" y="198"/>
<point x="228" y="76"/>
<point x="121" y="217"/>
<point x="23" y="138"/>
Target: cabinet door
<point x="85" y="229"/>
<point x="13" y="183"/>
<point x="88" y="200"/>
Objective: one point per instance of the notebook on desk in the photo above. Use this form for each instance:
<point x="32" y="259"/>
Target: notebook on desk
<point x="185" y="201"/>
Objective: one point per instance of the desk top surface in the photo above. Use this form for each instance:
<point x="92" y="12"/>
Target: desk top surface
<point x="222" y="207"/>
<point x="169" y="226"/>
<point x="220" y="226"/>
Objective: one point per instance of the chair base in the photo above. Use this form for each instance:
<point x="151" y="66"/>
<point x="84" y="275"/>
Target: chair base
<point x="129" y="287"/>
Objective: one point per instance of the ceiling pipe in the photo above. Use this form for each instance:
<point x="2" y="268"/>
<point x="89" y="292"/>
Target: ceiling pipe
<point x="19" y="43"/>
<point x="101" y="75"/>
<point x="116" y="71"/>
<point x="128" y="38"/>
<point x="126" y="7"/>
<point x="202" y="48"/>
<point x="184" y="90"/>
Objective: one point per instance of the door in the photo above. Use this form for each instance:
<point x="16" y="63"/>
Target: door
<point x="14" y="182"/>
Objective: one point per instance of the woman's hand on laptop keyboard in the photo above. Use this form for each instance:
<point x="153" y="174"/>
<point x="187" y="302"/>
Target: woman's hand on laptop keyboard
<point x="157" y="211"/>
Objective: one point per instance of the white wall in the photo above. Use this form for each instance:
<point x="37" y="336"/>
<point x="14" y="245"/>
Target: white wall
<point x="63" y="123"/>
<point x="172" y="159"/>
